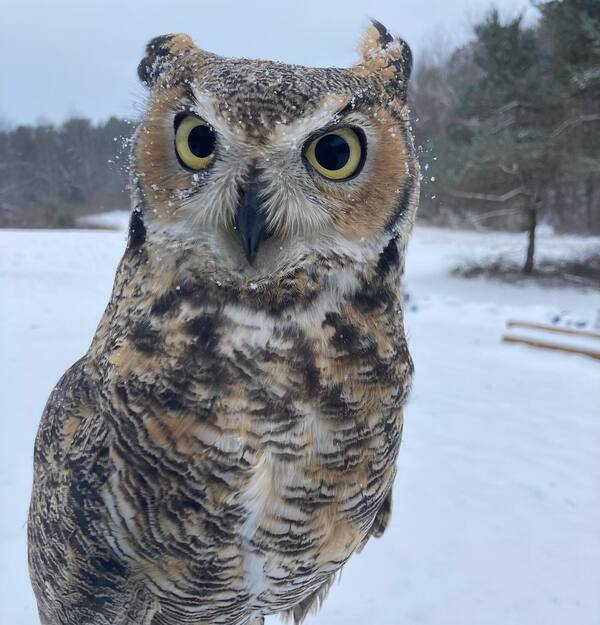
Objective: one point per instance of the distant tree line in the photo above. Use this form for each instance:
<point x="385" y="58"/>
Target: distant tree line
<point x="509" y="124"/>
<point x="508" y="127"/>
<point x="50" y="175"/>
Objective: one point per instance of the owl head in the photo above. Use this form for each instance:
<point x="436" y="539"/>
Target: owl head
<point x="257" y="167"/>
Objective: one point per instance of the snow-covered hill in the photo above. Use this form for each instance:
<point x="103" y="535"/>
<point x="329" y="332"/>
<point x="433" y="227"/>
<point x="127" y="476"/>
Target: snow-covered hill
<point x="497" y="500"/>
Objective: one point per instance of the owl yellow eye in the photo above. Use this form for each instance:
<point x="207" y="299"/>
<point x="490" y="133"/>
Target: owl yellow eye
<point x="337" y="154"/>
<point x="194" y="142"/>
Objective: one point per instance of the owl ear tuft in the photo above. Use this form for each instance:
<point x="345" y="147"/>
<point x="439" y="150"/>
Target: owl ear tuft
<point x="160" y="53"/>
<point x="387" y="56"/>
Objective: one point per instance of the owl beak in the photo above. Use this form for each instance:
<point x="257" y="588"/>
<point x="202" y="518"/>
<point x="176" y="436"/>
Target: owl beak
<point x="250" y="221"/>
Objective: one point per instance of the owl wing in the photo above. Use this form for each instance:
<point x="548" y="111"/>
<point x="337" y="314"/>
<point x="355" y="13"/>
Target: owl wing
<point x="75" y="575"/>
<point x="314" y="601"/>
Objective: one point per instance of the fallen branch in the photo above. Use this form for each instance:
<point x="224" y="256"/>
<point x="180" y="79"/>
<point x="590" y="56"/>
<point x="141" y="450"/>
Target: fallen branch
<point x="551" y="346"/>
<point x="558" y="330"/>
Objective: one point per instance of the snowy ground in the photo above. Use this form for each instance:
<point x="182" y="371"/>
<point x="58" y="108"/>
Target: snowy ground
<point x="497" y="501"/>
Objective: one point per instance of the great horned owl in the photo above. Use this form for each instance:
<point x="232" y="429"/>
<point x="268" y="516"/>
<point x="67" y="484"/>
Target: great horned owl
<point x="229" y="440"/>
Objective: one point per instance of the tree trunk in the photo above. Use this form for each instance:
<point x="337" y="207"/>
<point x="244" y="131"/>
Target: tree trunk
<point x="532" y="213"/>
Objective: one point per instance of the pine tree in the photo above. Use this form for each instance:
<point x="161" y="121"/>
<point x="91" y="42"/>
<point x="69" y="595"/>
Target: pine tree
<point x="498" y="143"/>
<point x="571" y="67"/>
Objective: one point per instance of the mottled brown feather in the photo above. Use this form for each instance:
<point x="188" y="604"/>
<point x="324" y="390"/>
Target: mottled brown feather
<point x="229" y="440"/>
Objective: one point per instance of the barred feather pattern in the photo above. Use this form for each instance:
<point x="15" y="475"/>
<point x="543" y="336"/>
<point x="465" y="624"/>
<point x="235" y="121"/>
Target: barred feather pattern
<point x="211" y="459"/>
<point x="230" y="438"/>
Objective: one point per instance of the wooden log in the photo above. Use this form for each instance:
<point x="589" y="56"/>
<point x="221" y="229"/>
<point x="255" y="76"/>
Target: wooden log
<point x="551" y="346"/>
<point x="557" y="330"/>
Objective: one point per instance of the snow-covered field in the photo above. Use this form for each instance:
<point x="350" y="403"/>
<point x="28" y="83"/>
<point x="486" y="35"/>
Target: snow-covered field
<point x="497" y="500"/>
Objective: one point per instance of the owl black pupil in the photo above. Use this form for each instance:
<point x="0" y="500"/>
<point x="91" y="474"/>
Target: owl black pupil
<point x="201" y="141"/>
<point x="332" y="152"/>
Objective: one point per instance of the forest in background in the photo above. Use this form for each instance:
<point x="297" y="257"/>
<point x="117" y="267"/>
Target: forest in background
<point x="509" y="124"/>
<point x="50" y="175"/>
<point x="507" y="127"/>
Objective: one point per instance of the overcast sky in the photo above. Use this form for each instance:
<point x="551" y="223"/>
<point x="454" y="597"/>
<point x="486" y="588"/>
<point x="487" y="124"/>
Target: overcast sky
<point x="61" y="58"/>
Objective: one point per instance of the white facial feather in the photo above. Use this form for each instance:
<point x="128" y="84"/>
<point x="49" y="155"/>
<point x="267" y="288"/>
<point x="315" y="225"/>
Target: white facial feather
<point x="297" y="212"/>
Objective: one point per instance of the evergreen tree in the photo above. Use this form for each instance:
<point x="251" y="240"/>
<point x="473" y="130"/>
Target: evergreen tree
<point x="571" y="29"/>
<point x="571" y="67"/>
<point x="506" y="55"/>
<point x="522" y="138"/>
